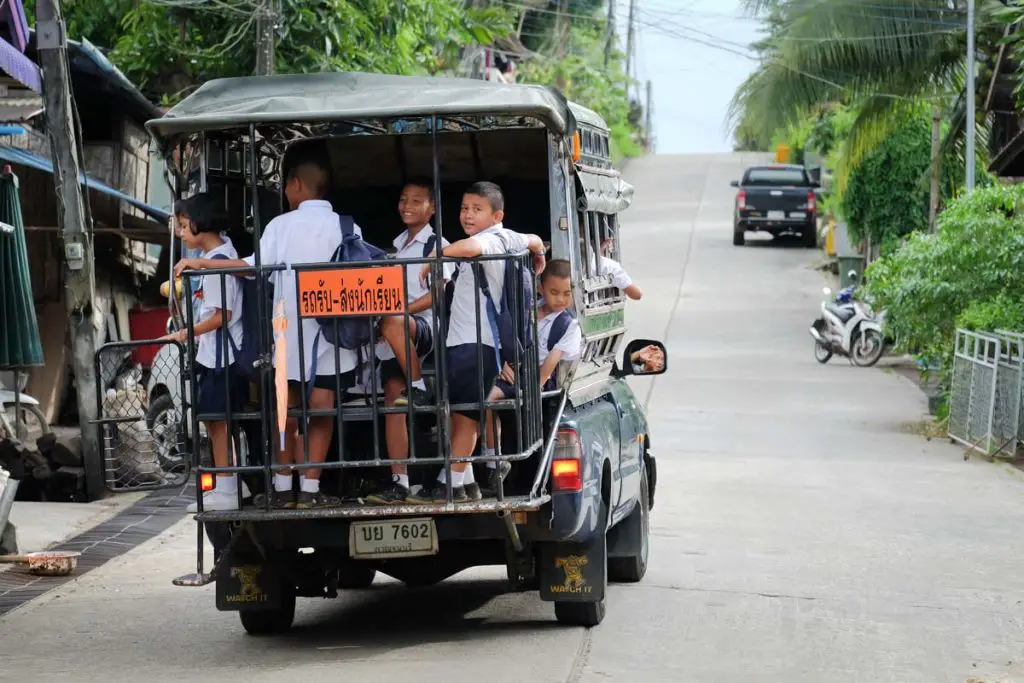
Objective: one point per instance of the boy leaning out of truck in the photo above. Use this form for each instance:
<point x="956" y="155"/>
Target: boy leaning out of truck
<point x="559" y="338"/>
<point x="481" y="215"/>
<point x="200" y="220"/>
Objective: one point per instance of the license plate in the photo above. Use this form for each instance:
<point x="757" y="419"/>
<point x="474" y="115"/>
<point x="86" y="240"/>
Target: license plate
<point x="392" y="538"/>
<point x="797" y="214"/>
<point x="776" y="214"/>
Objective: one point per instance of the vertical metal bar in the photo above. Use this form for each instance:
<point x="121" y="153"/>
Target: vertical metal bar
<point x="303" y="384"/>
<point x="225" y="345"/>
<point x="339" y="402"/>
<point x="444" y="443"/>
<point x="190" y="397"/>
<point x="374" y="393"/>
<point x="267" y="405"/>
<point x="410" y="413"/>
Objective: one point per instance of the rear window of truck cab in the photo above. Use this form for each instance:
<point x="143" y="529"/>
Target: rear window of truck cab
<point x="775" y="176"/>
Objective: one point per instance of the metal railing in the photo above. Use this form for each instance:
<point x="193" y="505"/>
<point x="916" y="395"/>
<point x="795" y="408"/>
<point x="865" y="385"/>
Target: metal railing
<point x="986" y="411"/>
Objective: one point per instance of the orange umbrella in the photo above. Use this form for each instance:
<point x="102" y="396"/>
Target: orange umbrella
<point x="281" y="369"/>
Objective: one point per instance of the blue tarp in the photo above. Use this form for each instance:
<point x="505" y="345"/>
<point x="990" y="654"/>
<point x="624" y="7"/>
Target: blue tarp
<point x="19" y="156"/>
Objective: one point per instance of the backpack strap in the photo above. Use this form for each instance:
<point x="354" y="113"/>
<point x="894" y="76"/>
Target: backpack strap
<point x="429" y="246"/>
<point x="347" y="224"/>
<point x="558" y="328"/>
<point x="220" y="328"/>
<point x="492" y="310"/>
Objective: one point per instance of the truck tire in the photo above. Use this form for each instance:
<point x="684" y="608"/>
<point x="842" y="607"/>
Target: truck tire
<point x="356" y="577"/>
<point x="632" y="569"/>
<point x="809" y="237"/>
<point x="585" y="614"/>
<point x="268" y="622"/>
<point x="738" y="236"/>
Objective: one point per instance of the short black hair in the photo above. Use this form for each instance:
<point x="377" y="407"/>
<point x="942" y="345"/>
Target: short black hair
<point x="490" y="191"/>
<point x="558" y="267"/>
<point x="424" y="182"/>
<point x="205" y="211"/>
<point x="313" y="172"/>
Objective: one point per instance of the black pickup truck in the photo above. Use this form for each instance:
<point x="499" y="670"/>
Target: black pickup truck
<point x="776" y="198"/>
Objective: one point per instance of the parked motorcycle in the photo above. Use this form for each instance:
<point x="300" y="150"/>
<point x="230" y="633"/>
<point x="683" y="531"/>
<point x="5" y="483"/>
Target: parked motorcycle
<point x="849" y="328"/>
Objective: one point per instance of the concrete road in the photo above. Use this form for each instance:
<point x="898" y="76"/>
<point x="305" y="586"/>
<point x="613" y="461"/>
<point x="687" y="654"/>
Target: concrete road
<point x="801" y="532"/>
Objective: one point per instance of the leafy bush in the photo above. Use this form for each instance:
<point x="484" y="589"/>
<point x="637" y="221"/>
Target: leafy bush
<point x="969" y="273"/>
<point x="887" y="193"/>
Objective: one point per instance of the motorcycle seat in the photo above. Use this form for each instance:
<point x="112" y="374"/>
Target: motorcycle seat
<point x="844" y="313"/>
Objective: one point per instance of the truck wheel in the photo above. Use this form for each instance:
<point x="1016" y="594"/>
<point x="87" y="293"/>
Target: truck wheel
<point x="809" y="237"/>
<point x="738" y="236"/>
<point x="579" y="613"/>
<point x="632" y="569"/>
<point x="356" y="577"/>
<point x="268" y="622"/>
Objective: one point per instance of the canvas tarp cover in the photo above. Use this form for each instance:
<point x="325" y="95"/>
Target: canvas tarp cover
<point x="20" y="346"/>
<point x="233" y="102"/>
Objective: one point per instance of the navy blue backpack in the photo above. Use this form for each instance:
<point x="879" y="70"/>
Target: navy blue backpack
<point x="511" y="322"/>
<point x="349" y="332"/>
<point x="247" y="353"/>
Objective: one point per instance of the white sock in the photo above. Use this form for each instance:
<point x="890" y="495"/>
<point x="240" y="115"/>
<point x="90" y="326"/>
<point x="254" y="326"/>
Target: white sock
<point x="468" y="477"/>
<point x="282" y="482"/>
<point x="401" y="479"/>
<point x="308" y="485"/>
<point x="458" y="478"/>
<point x="228" y="485"/>
<point x="491" y="464"/>
<point x="419" y="384"/>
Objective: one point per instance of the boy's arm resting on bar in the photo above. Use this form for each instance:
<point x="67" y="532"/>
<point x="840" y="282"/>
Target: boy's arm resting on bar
<point x="421" y="304"/>
<point x="206" y="264"/>
<point x="549" y="365"/>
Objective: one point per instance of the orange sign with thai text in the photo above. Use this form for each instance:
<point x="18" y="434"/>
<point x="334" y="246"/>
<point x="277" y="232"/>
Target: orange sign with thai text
<point x="351" y="291"/>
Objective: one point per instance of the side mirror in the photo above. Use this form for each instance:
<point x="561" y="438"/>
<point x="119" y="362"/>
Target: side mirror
<point x="735" y="183"/>
<point x="644" y="357"/>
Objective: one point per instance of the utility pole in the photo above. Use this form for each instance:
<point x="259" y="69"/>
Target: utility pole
<point x="629" y="38"/>
<point x="649" y="118"/>
<point x="76" y="231"/>
<point x="970" y="132"/>
<point x="266" y="27"/>
<point x="936" y="170"/>
<point x="609" y="40"/>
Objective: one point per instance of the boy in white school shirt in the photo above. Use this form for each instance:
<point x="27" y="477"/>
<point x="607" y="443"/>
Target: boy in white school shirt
<point x="483" y="208"/>
<point x="556" y="290"/>
<point x="416" y="208"/>
<point x="309" y="233"/>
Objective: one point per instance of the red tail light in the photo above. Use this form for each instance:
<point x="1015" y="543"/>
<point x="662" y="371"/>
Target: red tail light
<point x="567" y="463"/>
<point x="741" y="199"/>
<point x="812" y="201"/>
<point x="206" y="482"/>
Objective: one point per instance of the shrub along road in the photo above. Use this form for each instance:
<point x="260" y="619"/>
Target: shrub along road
<point x="800" y="532"/>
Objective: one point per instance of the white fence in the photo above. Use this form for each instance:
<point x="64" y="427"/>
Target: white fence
<point x="985" y="409"/>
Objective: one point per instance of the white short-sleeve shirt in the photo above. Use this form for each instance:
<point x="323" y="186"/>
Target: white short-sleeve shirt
<point x="620" y="278"/>
<point x="413" y="249"/>
<point x="309" y="234"/>
<point x="462" y="323"/>
<point x="569" y="344"/>
<point x="212" y="299"/>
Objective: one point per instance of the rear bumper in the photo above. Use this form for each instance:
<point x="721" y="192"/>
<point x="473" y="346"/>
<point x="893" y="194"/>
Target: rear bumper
<point x="775" y="224"/>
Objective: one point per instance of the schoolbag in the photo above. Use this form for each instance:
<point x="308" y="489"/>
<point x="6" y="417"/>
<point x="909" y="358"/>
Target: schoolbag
<point x="349" y="332"/>
<point x="247" y="351"/>
<point x="510" y="328"/>
<point x="559" y="328"/>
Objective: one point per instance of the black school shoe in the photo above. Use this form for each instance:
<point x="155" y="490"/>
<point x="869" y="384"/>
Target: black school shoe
<point x="437" y="492"/>
<point x="305" y="500"/>
<point x="420" y="398"/>
<point x="279" y="500"/>
<point x="473" y="492"/>
<point x="392" y="494"/>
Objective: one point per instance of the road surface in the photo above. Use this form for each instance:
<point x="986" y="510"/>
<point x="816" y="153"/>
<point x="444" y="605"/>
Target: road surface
<point x="801" y="531"/>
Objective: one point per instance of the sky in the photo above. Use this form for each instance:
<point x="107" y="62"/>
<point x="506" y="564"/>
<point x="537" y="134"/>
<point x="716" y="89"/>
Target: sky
<point x="693" y="52"/>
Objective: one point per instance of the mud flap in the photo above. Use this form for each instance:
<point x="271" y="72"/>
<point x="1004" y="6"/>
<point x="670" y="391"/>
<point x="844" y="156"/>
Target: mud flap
<point x="247" y="583"/>
<point x="574" y="572"/>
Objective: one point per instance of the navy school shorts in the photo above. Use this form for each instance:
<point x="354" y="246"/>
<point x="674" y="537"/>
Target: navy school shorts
<point x="463" y="373"/>
<point x="213" y="388"/>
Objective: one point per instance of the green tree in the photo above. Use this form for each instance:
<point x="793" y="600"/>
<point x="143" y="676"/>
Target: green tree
<point x="883" y="58"/>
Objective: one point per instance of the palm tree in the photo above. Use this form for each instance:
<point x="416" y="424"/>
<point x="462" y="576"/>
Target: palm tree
<point x="886" y="57"/>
